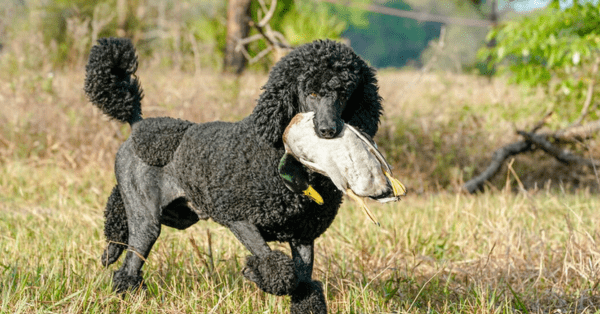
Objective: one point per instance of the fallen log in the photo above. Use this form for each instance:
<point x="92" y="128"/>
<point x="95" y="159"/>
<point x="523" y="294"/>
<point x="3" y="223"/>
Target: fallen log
<point x="533" y="141"/>
<point x="498" y="158"/>
<point x="561" y="155"/>
<point x="578" y="132"/>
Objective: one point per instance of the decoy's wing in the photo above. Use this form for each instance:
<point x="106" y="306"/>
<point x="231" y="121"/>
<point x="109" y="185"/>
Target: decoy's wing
<point x="372" y="147"/>
<point x="312" y="166"/>
<point x="399" y="188"/>
<point x="320" y="161"/>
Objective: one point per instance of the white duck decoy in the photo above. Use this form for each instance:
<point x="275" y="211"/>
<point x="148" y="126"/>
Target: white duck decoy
<point x="351" y="161"/>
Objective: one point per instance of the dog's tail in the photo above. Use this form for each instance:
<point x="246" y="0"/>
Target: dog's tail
<point x="110" y="81"/>
<point x="115" y="227"/>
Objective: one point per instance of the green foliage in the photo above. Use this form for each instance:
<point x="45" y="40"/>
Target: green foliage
<point x="177" y="33"/>
<point x="311" y="21"/>
<point x="389" y="41"/>
<point x="210" y="32"/>
<point x="460" y="43"/>
<point x="208" y="26"/>
<point x="56" y="14"/>
<point x="59" y="33"/>
<point x="355" y="15"/>
<point x="557" y="49"/>
<point x="304" y="21"/>
<point x="69" y="27"/>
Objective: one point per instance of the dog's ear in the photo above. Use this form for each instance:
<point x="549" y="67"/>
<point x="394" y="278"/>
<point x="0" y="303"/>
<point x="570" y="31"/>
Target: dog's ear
<point x="276" y="107"/>
<point x="364" y="105"/>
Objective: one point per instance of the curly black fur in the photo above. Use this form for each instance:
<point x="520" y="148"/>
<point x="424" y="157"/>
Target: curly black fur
<point x="312" y="67"/>
<point x="156" y="139"/>
<point x="273" y="274"/>
<point x="110" y="81"/>
<point x="228" y="171"/>
<point x="309" y="298"/>
<point x="115" y="227"/>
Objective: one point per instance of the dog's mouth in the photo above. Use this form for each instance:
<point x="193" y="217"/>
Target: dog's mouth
<point x="328" y="130"/>
<point x="328" y="111"/>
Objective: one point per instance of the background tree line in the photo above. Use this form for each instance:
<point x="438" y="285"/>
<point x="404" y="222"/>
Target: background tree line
<point x="195" y="30"/>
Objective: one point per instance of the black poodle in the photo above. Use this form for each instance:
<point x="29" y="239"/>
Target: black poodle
<point x="173" y="172"/>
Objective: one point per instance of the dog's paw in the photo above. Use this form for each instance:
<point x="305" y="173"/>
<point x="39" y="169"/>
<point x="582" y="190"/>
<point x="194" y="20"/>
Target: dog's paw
<point x="274" y="274"/>
<point x="123" y="282"/>
<point x="309" y="298"/>
<point x="111" y="254"/>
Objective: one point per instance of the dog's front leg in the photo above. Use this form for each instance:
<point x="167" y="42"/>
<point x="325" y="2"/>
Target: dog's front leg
<point x="272" y="271"/>
<point x="308" y="297"/>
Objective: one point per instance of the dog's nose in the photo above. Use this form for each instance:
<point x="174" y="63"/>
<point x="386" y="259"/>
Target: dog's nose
<point x="327" y="132"/>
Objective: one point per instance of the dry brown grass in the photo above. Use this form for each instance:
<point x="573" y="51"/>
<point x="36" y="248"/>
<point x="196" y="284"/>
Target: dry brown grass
<point x="438" y="129"/>
<point x="48" y="119"/>
<point x="500" y="252"/>
<point x="445" y="253"/>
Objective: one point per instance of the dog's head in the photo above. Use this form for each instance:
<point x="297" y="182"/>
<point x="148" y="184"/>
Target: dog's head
<point x="325" y="97"/>
<point x="325" y="77"/>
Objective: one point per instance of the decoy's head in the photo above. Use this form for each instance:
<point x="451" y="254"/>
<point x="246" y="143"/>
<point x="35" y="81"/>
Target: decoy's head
<point x="295" y="177"/>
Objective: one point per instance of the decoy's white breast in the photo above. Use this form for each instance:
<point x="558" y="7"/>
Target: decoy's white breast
<point x="347" y="160"/>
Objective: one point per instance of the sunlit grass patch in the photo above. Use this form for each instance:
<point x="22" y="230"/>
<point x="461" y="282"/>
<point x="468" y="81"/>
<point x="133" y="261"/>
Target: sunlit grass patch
<point x="498" y="252"/>
<point x="447" y="253"/>
<point x="453" y="253"/>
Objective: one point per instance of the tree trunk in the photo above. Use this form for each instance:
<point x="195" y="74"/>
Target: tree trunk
<point x="494" y="20"/>
<point x="238" y="16"/>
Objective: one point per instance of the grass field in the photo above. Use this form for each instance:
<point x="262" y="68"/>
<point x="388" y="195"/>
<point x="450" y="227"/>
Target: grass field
<point x="437" y="251"/>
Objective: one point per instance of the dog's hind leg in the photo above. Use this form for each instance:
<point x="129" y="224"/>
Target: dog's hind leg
<point x="144" y="229"/>
<point x="308" y="297"/>
<point x="115" y="228"/>
<point x="140" y="187"/>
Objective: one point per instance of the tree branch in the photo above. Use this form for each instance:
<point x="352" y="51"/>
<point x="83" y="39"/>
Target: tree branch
<point x="275" y="40"/>
<point x="561" y="155"/>
<point x="578" y="133"/>
<point x="498" y="158"/>
<point x="531" y="142"/>
<point x="261" y="54"/>
<point x="269" y="13"/>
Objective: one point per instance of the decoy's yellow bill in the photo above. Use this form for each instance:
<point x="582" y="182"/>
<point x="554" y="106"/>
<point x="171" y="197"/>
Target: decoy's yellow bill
<point x="397" y="186"/>
<point x="313" y="195"/>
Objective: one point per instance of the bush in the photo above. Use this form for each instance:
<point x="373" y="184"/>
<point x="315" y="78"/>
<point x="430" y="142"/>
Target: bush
<point x="302" y="22"/>
<point x="557" y="49"/>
